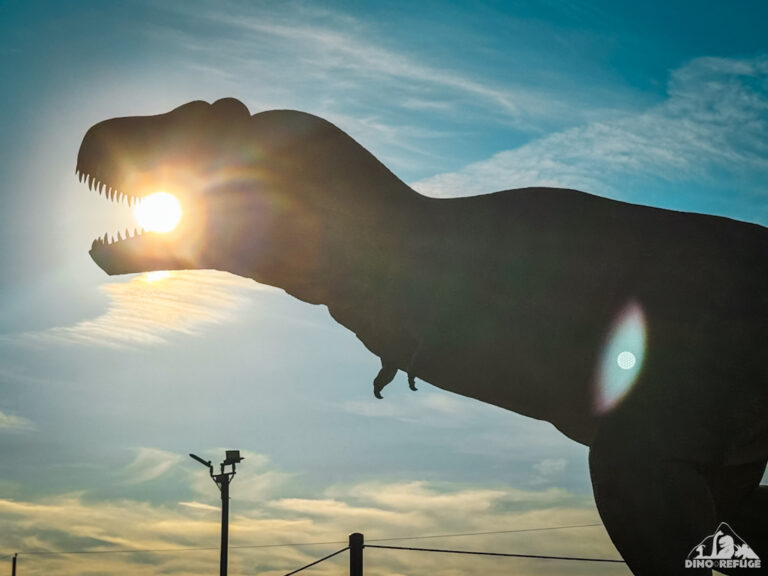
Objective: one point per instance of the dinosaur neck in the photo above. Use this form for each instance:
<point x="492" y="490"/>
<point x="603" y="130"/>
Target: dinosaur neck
<point x="368" y="260"/>
<point x="362" y="257"/>
<point x="342" y="245"/>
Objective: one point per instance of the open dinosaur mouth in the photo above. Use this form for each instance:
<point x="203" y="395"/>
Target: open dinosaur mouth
<point x="113" y="195"/>
<point x="153" y="244"/>
<point x="144" y="248"/>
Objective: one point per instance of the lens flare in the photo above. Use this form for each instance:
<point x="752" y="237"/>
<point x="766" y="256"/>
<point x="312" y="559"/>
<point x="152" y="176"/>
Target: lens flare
<point x="626" y="360"/>
<point x="159" y="212"/>
<point x="622" y="358"/>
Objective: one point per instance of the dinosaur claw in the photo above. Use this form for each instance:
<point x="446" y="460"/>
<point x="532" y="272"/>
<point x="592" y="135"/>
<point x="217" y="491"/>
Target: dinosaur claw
<point x="412" y="382"/>
<point x="384" y="377"/>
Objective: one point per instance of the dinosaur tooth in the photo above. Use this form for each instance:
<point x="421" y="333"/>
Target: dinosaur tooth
<point x="90" y="182"/>
<point x="119" y="236"/>
<point x="95" y="241"/>
<point x="106" y="237"/>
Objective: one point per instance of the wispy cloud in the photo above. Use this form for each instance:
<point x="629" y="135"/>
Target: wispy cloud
<point x="329" y="49"/>
<point x="323" y="44"/>
<point x="258" y="480"/>
<point x="550" y="466"/>
<point x="374" y="85"/>
<point x="436" y="409"/>
<point x="149" y="308"/>
<point x="13" y="423"/>
<point x="200" y="506"/>
<point x="548" y="470"/>
<point x="149" y="464"/>
<point x="715" y="119"/>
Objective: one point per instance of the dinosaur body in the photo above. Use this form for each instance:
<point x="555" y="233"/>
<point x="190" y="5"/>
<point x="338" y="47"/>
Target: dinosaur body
<point x="511" y="298"/>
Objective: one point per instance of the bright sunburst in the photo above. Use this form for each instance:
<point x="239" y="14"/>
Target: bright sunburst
<point x="159" y="212"/>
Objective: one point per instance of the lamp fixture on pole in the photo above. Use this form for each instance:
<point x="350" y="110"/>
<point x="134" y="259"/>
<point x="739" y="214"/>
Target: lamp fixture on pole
<point x="222" y="481"/>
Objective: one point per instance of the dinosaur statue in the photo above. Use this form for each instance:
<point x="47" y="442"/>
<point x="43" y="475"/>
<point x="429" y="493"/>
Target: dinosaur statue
<point x="637" y="331"/>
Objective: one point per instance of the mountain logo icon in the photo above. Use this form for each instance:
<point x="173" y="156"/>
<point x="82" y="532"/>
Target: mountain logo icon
<point x="723" y="549"/>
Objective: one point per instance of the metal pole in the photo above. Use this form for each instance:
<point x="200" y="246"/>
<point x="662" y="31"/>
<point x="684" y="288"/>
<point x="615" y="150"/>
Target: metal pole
<point x="222" y="481"/>
<point x="224" y="524"/>
<point x="13" y="570"/>
<point x="356" y="545"/>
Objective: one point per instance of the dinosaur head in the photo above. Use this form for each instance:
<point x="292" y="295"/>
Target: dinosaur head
<point x="262" y="196"/>
<point x="185" y="152"/>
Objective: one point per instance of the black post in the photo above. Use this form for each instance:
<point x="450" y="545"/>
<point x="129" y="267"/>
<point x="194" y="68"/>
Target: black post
<point x="224" y="524"/>
<point x="13" y="570"/>
<point x="222" y="481"/>
<point x="356" y="545"/>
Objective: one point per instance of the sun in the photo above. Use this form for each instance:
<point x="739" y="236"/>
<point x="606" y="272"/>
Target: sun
<point x="159" y="212"/>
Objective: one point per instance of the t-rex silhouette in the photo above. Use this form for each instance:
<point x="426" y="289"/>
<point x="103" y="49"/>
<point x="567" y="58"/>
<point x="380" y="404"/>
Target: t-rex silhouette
<point x="636" y="331"/>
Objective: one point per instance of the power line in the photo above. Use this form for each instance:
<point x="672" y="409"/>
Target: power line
<point x="323" y="559"/>
<point x="189" y="549"/>
<point x="124" y="551"/>
<point x="297" y="544"/>
<point x="534" y="556"/>
<point x="285" y="545"/>
<point x="484" y="533"/>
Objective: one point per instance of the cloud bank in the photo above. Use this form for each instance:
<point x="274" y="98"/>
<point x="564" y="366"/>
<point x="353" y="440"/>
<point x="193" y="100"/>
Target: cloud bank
<point x="71" y="522"/>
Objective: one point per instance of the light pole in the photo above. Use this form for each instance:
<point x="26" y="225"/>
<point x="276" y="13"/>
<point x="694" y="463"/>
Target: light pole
<point x="222" y="481"/>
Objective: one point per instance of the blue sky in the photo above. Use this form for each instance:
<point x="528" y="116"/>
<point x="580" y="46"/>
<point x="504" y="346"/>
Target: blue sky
<point x="107" y="383"/>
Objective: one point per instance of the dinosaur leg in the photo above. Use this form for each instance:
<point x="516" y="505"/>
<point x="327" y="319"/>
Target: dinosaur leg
<point x="743" y="504"/>
<point x="384" y="377"/>
<point x="655" y="510"/>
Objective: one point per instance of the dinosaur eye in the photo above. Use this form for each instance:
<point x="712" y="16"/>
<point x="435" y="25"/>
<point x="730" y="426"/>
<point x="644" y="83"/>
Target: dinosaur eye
<point x="622" y="358"/>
